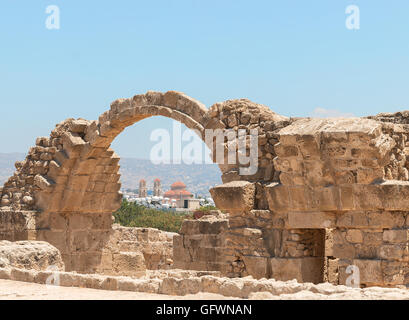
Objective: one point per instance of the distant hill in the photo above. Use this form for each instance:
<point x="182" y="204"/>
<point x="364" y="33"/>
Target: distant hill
<point x="198" y="178"/>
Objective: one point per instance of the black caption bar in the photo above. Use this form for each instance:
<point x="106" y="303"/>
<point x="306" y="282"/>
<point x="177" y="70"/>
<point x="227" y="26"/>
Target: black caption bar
<point x="186" y="309"/>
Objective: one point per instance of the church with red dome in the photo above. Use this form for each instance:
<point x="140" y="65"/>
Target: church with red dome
<point x="178" y="192"/>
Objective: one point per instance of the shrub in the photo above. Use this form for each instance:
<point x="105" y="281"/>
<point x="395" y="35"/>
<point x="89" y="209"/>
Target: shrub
<point x="207" y="208"/>
<point x="133" y="215"/>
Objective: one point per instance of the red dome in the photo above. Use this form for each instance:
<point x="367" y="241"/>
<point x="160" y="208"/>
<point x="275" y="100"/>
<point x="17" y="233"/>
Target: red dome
<point x="178" y="184"/>
<point x="157" y="180"/>
<point x="176" y="194"/>
<point x="183" y="192"/>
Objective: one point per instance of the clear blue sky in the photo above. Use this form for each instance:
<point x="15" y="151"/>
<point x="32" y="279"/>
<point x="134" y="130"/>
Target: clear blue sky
<point x="294" y="56"/>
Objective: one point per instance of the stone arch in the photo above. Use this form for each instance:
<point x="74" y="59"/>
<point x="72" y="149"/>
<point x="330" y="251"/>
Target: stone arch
<point x="84" y="176"/>
<point x="75" y="171"/>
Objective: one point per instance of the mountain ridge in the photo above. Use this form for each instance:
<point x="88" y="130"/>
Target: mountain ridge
<point x="199" y="178"/>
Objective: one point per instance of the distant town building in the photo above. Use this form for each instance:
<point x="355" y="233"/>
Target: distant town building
<point x="192" y="204"/>
<point x="143" y="191"/>
<point x="178" y="194"/>
<point x="157" y="189"/>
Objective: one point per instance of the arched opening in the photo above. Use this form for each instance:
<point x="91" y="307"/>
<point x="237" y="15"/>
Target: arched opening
<point x="165" y="149"/>
<point x="162" y="186"/>
<point x="166" y="174"/>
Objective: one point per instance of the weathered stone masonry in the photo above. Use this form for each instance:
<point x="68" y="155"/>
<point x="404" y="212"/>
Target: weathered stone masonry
<point x="327" y="194"/>
<point x="332" y="206"/>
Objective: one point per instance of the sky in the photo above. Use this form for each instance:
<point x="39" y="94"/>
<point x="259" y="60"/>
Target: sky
<point x="296" y="56"/>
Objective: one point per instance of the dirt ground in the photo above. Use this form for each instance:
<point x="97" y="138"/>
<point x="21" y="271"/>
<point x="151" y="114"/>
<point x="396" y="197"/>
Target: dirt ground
<point x="15" y="290"/>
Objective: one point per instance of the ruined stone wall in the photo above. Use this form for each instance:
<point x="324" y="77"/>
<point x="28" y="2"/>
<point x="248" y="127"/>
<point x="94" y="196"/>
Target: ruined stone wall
<point x="89" y="243"/>
<point x="259" y="242"/>
<point x="152" y="246"/>
<point x="17" y="225"/>
<point x="337" y="199"/>
<point x="201" y="244"/>
<point x="326" y="194"/>
<point x="331" y="206"/>
<point x="242" y="114"/>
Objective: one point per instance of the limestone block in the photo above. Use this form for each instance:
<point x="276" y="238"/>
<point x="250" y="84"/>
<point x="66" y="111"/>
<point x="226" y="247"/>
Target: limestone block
<point x="22" y="275"/>
<point x="300" y="197"/>
<point x="55" y="238"/>
<point x="386" y="219"/>
<point x="43" y="141"/>
<point x="319" y="220"/>
<point x="213" y="226"/>
<point x="291" y="179"/>
<point x="364" y="251"/>
<point x="368" y="197"/>
<point x="370" y="271"/>
<point x="332" y="271"/>
<point x="78" y="126"/>
<point x="207" y="254"/>
<point x="396" y="236"/>
<point x="84" y="167"/>
<point x="285" y="151"/>
<point x="309" y="146"/>
<point x="212" y="284"/>
<point x="72" y="143"/>
<point x="181" y="258"/>
<point x="354" y="236"/>
<point x="401" y="202"/>
<point x="190" y="227"/>
<point x="278" y="197"/>
<point x="181" y="287"/>
<point x="395" y="272"/>
<point x="369" y="175"/>
<point x="112" y="187"/>
<point x="257" y="267"/>
<point x="384" y="145"/>
<point x="78" y="182"/>
<point x="42" y="182"/>
<point x="393" y="252"/>
<point x="203" y="240"/>
<point x="71" y="201"/>
<point x="343" y="251"/>
<point x="325" y="199"/>
<point x="129" y="263"/>
<point x="236" y="196"/>
<point x="36" y="255"/>
<point x="372" y="238"/>
<point x="233" y="288"/>
<point x="346" y="198"/>
<point x="302" y="269"/>
<point x="110" y="283"/>
<point x="54" y="170"/>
